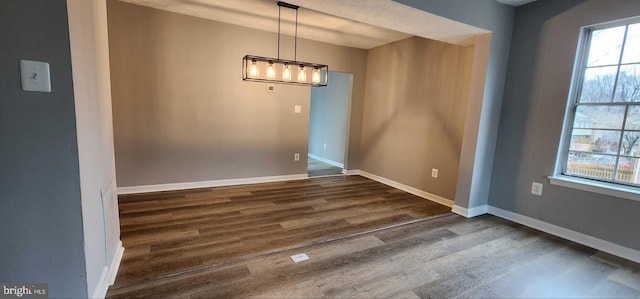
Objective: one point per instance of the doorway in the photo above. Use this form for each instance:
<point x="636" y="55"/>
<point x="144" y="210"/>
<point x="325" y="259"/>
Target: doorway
<point x="328" y="125"/>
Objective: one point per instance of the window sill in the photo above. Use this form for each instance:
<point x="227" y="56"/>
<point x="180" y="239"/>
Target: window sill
<point x="596" y="187"/>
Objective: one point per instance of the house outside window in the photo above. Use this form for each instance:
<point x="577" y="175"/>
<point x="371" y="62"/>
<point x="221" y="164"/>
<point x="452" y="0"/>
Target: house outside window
<point x="602" y="136"/>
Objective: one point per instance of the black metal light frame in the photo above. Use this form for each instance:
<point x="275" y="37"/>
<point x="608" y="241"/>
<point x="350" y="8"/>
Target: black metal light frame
<point x="322" y="69"/>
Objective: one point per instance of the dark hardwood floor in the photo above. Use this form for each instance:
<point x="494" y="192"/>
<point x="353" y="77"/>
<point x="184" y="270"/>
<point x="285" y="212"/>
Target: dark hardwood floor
<point x="169" y="233"/>
<point x="445" y="256"/>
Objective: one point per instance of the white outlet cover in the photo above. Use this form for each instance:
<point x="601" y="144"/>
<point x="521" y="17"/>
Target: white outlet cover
<point x="536" y="189"/>
<point x="434" y="173"/>
<point x="296" y="157"/>
<point x="297" y="109"/>
<point x="35" y="76"/>
<point x="300" y="257"/>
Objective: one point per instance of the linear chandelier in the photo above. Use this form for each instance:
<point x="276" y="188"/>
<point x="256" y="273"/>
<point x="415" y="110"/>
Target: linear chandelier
<point x="276" y="70"/>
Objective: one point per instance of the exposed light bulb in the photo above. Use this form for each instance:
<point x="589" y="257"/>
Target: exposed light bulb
<point x="271" y="73"/>
<point x="286" y="74"/>
<point x="315" y="78"/>
<point x="254" y="69"/>
<point x="302" y="75"/>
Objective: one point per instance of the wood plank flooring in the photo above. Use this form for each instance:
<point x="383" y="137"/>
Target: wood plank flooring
<point x="446" y="256"/>
<point x="319" y="168"/>
<point x="169" y="233"/>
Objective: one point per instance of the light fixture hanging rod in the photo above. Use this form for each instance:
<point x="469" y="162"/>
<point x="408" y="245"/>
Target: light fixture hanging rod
<point x="279" y="29"/>
<point x="295" y="40"/>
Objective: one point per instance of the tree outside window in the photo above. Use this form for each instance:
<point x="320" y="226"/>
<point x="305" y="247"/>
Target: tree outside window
<point x="605" y="127"/>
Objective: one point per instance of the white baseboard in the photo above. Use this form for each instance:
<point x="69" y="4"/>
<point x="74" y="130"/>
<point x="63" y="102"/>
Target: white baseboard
<point x="593" y="242"/>
<point x="334" y="163"/>
<point x="103" y="285"/>
<point x="209" y="184"/>
<point x="115" y="263"/>
<point x="108" y="275"/>
<point x="412" y="190"/>
<point x="470" y="213"/>
<point x="351" y="172"/>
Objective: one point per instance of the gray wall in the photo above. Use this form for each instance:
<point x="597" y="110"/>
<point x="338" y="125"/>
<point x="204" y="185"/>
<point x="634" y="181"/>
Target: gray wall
<point x="39" y="178"/>
<point x="542" y="55"/>
<point x="481" y="128"/>
<point x="414" y="112"/>
<point x="329" y="117"/>
<point x="183" y="114"/>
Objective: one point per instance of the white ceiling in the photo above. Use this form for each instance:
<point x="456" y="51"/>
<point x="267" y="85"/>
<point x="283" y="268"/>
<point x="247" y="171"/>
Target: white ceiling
<point x="263" y="15"/>
<point x="395" y="16"/>
<point x="515" y="2"/>
<point x="361" y="24"/>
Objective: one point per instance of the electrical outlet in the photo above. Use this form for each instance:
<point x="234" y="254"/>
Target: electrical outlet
<point x="271" y="88"/>
<point x="296" y="157"/>
<point x="536" y="189"/>
<point x="325" y="146"/>
<point x="434" y="173"/>
<point x="297" y="109"/>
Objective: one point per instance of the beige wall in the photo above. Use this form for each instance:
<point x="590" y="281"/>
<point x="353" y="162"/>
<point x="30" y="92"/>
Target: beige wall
<point x="182" y="113"/>
<point x="415" y="105"/>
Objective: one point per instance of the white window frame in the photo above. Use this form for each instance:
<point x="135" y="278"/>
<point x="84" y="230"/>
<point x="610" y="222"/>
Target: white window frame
<point x="616" y="189"/>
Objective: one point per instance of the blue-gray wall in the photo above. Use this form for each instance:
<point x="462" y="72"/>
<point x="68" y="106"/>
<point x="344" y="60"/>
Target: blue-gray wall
<point x="544" y="45"/>
<point x="41" y="226"/>
<point x="329" y="116"/>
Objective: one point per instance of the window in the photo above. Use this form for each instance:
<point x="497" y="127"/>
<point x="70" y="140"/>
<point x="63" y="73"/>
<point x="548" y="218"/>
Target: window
<point x="603" y="124"/>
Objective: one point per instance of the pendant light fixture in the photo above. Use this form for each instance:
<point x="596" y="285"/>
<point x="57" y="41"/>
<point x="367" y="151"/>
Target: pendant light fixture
<point x="276" y="70"/>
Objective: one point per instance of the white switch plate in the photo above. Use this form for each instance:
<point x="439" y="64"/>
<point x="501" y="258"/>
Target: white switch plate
<point x="300" y="257"/>
<point x="297" y="109"/>
<point x="35" y="76"/>
<point x="536" y="189"/>
<point x="434" y="173"/>
<point x="296" y="157"/>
